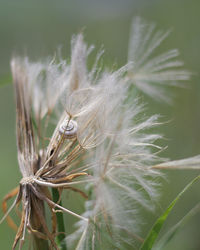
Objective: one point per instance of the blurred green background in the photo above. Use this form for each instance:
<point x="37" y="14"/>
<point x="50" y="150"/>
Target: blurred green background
<point x="36" y="28"/>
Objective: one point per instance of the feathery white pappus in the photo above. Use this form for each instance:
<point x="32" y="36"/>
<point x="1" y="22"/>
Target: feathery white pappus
<point x="108" y="145"/>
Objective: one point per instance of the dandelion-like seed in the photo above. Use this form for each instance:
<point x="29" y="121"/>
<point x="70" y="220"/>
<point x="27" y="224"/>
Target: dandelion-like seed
<point x="98" y="142"/>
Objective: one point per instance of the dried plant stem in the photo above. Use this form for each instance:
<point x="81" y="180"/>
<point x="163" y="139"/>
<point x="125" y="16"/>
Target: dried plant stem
<point x="38" y="243"/>
<point x="60" y="222"/>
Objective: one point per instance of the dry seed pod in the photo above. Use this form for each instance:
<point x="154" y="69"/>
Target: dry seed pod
<point x="68" y="129"/>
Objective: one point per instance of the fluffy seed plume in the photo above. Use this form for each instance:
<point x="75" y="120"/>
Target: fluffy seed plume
<point x="100" y="146"/>
<point x="150" y="72"/>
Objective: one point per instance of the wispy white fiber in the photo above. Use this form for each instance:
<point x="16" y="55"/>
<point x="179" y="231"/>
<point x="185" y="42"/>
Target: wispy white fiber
<point x="187" y="163"/>
<point x="151" y="71"/>
<point x="114" y="148"/>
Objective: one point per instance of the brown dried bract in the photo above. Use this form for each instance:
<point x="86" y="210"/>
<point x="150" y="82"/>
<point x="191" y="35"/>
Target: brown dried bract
<point x="40" y="168"/>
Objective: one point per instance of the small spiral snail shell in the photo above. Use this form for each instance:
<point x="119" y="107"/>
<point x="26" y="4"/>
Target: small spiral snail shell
<point x="68" y="129"/>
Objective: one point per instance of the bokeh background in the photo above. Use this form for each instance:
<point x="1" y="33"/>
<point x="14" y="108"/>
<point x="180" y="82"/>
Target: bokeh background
<point x="37" y="27"/>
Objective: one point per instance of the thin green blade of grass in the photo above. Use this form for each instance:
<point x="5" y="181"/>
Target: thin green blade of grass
<point x="174" y="230"/>
<point x="154" y="232"/>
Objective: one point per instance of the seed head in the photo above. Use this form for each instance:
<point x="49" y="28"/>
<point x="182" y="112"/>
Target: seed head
<point x="99" y="139"/>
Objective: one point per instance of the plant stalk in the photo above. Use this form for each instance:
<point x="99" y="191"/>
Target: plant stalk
<point x="38" y="243"/>
<point x="60" y="222"/>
